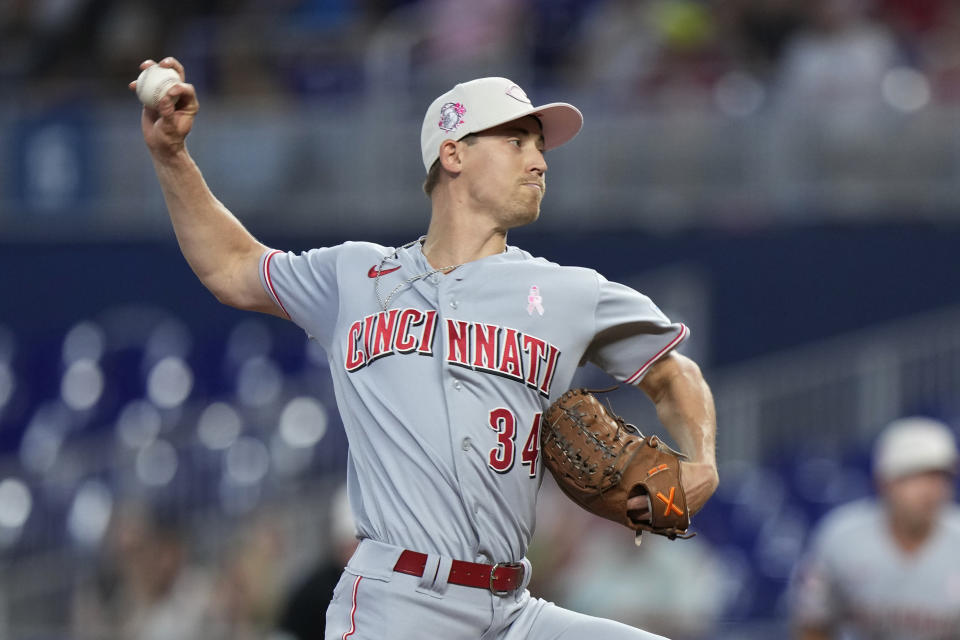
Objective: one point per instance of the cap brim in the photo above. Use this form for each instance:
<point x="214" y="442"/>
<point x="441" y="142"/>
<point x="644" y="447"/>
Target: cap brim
<point x="561" y="123"/>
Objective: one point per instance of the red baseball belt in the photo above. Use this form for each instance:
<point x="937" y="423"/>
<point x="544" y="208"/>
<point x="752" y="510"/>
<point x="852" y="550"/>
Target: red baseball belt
<point x="500" y="578"/>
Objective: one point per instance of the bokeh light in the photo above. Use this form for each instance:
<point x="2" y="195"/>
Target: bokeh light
<point x="169" y="382"/>
<point x="303" y="422"/>
<point x="15" y="503"/>
<point x="85" y="340"/>
<point x="90" y="513"/>
<point x="139" y="423"/>
<point x="157" y="463"/>
<point x="82" y="384"/>
<point x="219" y="426"/>
<point x="247" y="461"/>
<point x="259" y="382"/>
<point x="8" y="383"/>
<point x="44" y="436"/>
<point x="906" y="89"/>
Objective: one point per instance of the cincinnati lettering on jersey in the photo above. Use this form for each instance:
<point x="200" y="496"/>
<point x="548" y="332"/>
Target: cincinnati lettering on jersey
<point x="488" y="348"/>
<point x="390" y="332"/>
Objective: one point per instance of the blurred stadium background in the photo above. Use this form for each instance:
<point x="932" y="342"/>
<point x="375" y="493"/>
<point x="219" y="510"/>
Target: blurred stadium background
<point x="781" y="175"/>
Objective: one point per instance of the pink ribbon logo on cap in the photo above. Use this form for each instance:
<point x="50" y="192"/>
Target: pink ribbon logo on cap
<point x="451" y="116"/>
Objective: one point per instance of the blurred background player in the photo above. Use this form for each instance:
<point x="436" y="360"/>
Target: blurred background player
<point x="889" y="567"/>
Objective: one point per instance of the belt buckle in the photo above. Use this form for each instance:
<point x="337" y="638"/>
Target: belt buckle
<point x="493" y="573"/>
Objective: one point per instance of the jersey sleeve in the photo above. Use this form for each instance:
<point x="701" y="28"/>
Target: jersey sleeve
<point x="305" y="287"/>
<point x="631" y="333"/>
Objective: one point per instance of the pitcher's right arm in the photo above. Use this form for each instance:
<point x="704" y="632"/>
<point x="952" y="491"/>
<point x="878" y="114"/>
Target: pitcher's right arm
<point x="221" y="252"/>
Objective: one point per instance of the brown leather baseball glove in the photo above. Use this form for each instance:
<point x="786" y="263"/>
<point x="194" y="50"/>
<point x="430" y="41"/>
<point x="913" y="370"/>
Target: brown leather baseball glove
<point x="600" y="461"/>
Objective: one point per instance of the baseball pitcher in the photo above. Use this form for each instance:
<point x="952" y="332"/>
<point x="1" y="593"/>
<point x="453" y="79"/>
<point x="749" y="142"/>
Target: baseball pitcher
<point x="451" y="358"/>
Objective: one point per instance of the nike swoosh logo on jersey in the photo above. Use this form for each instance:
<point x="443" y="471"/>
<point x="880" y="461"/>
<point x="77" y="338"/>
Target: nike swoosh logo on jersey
<point x="373" y="273"/>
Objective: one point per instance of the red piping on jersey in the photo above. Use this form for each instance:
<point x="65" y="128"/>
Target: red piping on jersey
<point x="266" y="273"/>
<point x="353" y="611"/>
<point x="683" y="334"/>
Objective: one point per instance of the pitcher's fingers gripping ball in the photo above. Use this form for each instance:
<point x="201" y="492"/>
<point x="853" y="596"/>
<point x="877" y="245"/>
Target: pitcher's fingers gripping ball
<point x="601" y="462"/>
<point x="154" y="82"/>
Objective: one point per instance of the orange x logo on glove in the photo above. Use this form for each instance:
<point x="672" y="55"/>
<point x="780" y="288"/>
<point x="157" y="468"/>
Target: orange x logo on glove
<point x="669" y="502"/>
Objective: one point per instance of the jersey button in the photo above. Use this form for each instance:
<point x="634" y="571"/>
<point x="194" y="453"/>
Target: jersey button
<point x="466" y="444"/>
<point x="454" y="304"/>
<point x="457" y="385"/>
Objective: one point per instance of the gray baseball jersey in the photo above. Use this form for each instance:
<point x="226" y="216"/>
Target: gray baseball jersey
<point x="857" y="580"/>
<point x="441" y="393"/>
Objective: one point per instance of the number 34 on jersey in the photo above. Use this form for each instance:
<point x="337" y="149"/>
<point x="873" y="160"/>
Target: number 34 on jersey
<point x="502" y="457"/>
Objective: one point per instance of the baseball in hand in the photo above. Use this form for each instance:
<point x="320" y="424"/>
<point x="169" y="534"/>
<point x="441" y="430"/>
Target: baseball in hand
<point x="154" y="82"/>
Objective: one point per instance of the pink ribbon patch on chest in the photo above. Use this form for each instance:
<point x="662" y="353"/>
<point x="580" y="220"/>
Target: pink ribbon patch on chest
<point x="534" y="301"/>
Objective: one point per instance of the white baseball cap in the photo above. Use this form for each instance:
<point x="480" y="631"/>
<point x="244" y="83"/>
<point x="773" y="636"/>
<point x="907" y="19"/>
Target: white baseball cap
<point x="486" y="102"/>
<point x="915" y="444"/>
